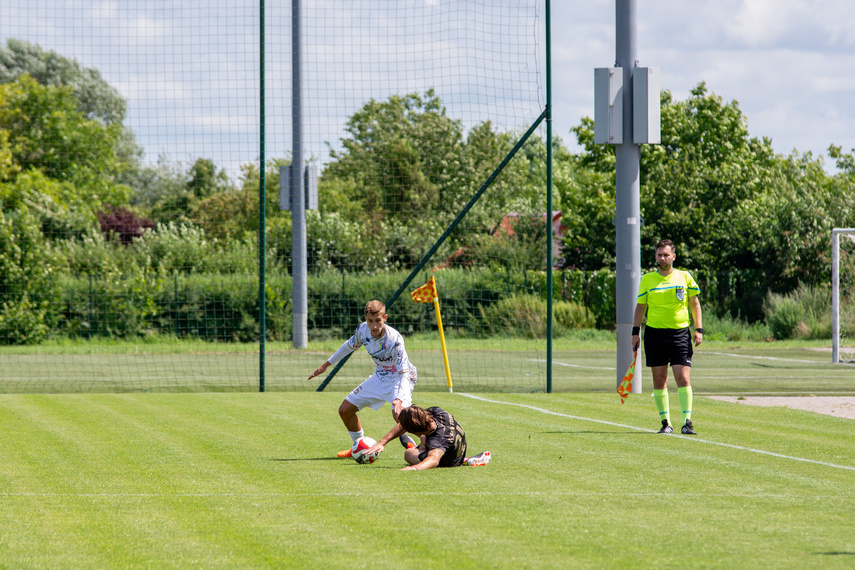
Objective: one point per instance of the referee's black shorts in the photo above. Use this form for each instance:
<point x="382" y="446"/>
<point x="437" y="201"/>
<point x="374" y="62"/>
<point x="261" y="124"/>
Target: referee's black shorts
<point x="667" y="346"/>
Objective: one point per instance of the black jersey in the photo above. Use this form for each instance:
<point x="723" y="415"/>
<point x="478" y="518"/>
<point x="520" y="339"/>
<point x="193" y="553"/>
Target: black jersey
<point x="447" y="436"/>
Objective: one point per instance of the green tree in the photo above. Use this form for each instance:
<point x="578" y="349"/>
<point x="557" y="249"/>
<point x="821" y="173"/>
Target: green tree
<point x="47" y="133"/>
<point x="171" y="194"/>
<point x="233" y="213"/>
<point x="705" y="166"/>
<point x="845" y="161"/>
<point x="786" y="230"/>
<point x="96" y="99"/>
<point x="407" y="169"/>
<point x="404" y="158"/>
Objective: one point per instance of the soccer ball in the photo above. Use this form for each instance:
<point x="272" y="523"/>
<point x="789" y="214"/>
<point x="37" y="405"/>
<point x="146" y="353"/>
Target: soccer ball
<point x="359" y="448"/>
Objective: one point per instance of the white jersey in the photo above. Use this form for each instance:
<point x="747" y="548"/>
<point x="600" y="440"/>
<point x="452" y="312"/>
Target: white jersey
<point x="388" y="352"/>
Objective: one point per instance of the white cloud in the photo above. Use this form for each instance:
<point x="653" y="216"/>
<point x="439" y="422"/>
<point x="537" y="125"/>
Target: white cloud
<point x="787" y="62"/>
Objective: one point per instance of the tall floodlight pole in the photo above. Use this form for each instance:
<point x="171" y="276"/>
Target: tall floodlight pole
<point x="627" y="194"/>
<point x="549" y="232"/>
<point x="262" y="323"/>
<point x="299" y="272"/>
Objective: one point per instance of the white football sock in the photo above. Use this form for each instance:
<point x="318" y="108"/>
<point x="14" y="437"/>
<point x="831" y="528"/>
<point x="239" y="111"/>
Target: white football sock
<point x="356" y="435"/>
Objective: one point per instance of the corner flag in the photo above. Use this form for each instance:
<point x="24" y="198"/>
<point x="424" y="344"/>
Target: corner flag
<point x="626" y="385"/>
<point x="427" y="294"/>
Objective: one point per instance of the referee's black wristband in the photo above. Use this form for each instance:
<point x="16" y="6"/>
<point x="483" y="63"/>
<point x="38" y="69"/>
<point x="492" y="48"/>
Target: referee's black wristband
<point x="636" y="331"/>
<point x="700" y="330"/>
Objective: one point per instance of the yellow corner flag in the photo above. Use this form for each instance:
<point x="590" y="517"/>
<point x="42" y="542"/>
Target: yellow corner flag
<point x="626" y="385"/>
<point x="427" y="294"/>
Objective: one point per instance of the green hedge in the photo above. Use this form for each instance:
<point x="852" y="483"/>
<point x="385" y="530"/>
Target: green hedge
<point x="474" y="302"/>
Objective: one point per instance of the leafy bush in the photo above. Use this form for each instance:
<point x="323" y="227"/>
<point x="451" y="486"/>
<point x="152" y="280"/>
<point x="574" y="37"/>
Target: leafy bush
<point x="727" y="328"/>
<point x="526" y="316"/>
<point x="23" y="321"/>
<point x="27" y="290"/>
<point x="124" y="223"/>
<point x="804" y="313"/>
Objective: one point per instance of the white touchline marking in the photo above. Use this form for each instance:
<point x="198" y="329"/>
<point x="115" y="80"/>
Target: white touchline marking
<point x="443" y="493"/>
<point x="764" y="357"/>
<point x="570" y="365"/>
<point x="739" y="447"/>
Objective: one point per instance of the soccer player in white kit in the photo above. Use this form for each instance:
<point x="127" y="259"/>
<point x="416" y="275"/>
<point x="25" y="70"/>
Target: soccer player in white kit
<point x="393" y="380"/>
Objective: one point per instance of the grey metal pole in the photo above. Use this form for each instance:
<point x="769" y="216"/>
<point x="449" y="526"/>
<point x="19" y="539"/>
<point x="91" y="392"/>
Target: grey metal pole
<point x="549" y="232"/>
<point x="835" y="296"/>
<point x="627" y="195"/>
<point x="262" y="232"/>
<point x="299" y="271"/>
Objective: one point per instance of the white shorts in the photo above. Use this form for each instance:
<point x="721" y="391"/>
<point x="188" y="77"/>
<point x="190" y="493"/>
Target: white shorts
<point x="381" y="388"/>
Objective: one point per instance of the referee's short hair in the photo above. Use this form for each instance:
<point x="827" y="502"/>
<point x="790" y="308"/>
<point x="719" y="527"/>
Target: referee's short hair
<point x="666" y="243"/>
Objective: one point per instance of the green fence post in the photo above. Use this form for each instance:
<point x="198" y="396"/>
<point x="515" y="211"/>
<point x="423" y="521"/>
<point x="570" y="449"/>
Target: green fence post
<point x="91" y="308"/>
<point x="262" y="324"/>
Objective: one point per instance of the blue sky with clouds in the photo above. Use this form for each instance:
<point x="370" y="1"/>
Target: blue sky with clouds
<point x="189" y="69"/>
<point x="790" y="64"/>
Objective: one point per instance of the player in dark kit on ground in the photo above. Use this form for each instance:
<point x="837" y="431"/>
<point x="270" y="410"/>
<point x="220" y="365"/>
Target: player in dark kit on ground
<point x="443" y="441"/>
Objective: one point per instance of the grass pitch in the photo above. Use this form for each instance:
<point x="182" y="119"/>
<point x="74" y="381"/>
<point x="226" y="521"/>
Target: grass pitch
<point x="248" y="480"/>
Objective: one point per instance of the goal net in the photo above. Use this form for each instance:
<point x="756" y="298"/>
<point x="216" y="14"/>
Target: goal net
<point x="843" y="295"/>
<point x="130" y="256"/>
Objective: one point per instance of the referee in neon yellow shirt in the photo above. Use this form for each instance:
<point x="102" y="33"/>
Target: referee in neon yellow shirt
<point x="667" y="295"/>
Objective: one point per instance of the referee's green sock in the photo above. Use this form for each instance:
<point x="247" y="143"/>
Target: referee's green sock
<point x="661" y="399"/>
<point x="685" y="395"/>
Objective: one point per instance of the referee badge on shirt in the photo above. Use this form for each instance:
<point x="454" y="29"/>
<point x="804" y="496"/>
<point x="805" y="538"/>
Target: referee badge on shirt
<point x="681" y="293"/>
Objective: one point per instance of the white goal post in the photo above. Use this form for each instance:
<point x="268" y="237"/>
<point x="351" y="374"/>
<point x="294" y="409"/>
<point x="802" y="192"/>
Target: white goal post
<point x="842" y="315"/>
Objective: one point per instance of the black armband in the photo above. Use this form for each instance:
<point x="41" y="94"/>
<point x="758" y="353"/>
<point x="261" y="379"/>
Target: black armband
<point x="636" y="331"/>
<point x="700" y="330"/>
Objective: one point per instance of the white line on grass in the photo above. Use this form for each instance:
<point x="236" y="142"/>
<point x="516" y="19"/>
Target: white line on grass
<point x="765" y="357"/>
<point x="739" y="447"/>
<point x="442" y="493"/>
<point x="570" y="365"/>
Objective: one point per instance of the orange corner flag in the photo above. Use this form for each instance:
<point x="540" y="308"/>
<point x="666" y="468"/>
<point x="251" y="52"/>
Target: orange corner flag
<point x="426" y="293"/>
<point x="626" y="385"/>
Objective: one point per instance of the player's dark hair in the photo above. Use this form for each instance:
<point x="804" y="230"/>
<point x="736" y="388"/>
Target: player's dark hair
<point x="375" y="307"/>
<point x="666" y="243"/>
<point x="414" y="419"/>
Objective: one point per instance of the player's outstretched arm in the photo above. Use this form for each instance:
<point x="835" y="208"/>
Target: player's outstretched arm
<point x="321" y="369"/>
<point x="395" y="432"/>
<point x="431" y="461"/>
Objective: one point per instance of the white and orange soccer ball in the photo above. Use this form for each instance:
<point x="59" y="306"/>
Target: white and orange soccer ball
<point x="359" y="448"/>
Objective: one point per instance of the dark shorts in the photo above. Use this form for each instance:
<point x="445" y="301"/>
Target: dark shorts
<point x="667" y="346"/>
<point x="453" y="457"/>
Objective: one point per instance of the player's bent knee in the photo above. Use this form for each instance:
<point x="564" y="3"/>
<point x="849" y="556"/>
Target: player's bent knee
<point x="347" y="409"/>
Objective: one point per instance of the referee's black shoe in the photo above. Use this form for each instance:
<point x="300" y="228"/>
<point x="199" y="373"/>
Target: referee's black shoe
<point x="666" y="427"/>
<point x="688" y="429"/>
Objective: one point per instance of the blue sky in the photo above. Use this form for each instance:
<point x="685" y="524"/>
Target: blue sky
<point x="189" y="69"/>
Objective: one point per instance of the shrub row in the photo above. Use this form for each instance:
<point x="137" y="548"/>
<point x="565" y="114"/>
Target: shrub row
<point x="474" y="302"/>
